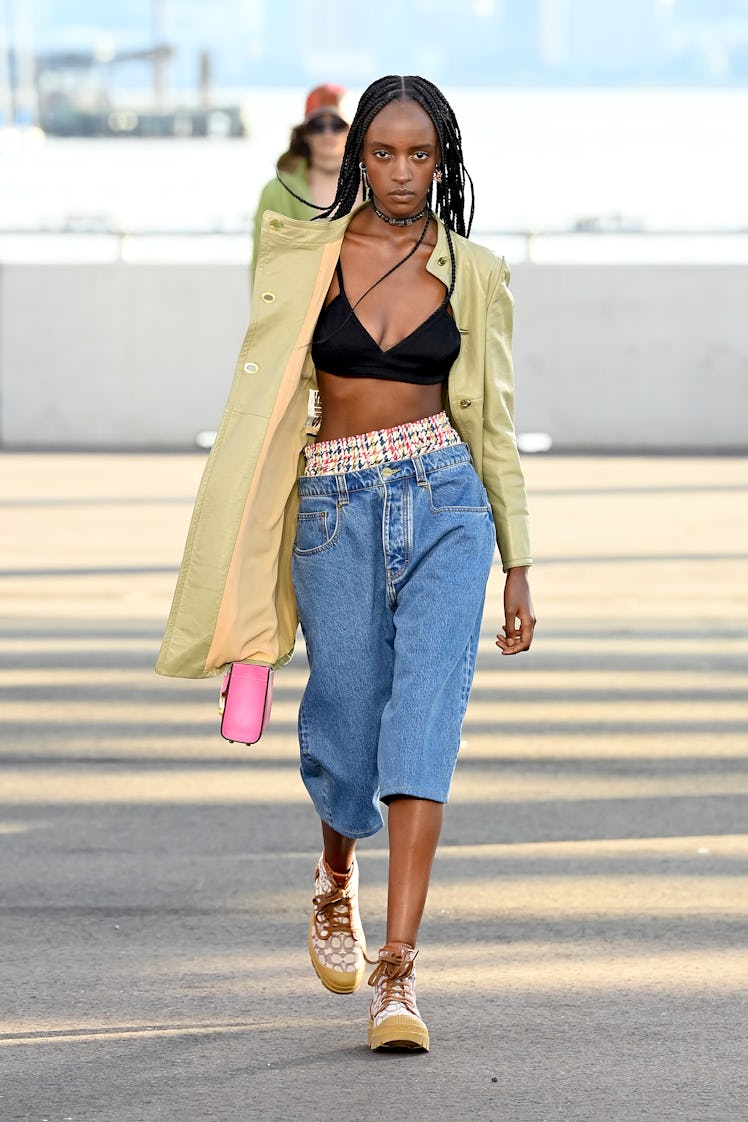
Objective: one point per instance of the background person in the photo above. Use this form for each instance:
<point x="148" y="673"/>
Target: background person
<point x="310" y="165"/>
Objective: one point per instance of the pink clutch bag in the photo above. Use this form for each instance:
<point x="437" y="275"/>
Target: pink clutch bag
<point x="244" y="704"/>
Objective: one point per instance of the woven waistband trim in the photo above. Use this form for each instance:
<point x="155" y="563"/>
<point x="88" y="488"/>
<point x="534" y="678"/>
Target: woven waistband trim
<point x="382" y="446"/>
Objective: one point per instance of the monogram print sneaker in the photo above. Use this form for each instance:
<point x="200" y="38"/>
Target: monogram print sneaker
<point x="394" y="1020"/>
<point x="336" y="938"/>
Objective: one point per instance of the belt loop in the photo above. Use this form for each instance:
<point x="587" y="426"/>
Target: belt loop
<point x="420" y="471"/>
<point x="342" y="490"/>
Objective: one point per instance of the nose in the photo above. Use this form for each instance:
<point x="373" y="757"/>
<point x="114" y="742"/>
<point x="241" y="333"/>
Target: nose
<point x="401" y="171"/>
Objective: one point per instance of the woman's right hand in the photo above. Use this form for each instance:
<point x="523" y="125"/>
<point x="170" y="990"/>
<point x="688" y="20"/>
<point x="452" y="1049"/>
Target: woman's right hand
<point x="517" y="608"/>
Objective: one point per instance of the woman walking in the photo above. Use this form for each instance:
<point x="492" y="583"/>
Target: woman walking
<point x="379" y="534"/>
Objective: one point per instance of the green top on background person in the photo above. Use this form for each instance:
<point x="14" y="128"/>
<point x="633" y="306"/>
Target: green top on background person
<point x="311" y="164"/>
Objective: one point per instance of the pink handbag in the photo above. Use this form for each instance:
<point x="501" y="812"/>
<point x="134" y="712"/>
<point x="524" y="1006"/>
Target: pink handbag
<point x="244" y="704"/>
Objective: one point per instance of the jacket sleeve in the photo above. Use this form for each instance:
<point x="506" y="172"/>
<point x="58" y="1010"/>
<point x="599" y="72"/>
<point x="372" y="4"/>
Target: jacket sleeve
<point x="502" y="473"/>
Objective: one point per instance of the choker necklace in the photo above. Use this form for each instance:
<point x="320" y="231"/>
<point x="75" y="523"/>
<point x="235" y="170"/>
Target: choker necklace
<point x="398" y="221"/>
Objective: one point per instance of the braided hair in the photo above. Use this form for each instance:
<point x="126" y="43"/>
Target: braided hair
<point x="450" y="192"/>
<point x="449" y="187"/>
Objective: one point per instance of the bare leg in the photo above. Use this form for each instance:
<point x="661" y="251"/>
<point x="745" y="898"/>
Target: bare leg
<point x="414" y="826"/>
<point x="338" y="849"/>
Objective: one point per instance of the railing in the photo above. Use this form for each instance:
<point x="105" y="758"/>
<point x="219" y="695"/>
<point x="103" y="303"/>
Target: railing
<point x="102" y="244"/>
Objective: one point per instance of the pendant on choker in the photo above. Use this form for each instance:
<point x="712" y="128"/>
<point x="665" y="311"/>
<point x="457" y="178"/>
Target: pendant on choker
<point x="398" y="221"/>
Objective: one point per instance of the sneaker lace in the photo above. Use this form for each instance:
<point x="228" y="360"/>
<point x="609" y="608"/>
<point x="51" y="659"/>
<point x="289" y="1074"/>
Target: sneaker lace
<point x="332" y="914"/>
<point x="393" y="981"/>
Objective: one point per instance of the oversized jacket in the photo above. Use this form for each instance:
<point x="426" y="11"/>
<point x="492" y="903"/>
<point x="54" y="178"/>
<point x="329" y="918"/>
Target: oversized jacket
<point x="234" y="599"/>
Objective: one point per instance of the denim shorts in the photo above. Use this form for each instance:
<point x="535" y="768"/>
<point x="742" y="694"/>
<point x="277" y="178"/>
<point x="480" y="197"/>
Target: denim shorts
<point x="390" y="568"/>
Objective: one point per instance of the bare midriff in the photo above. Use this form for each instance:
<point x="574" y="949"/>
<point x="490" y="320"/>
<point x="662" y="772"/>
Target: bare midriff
<point x="356" y="405"/>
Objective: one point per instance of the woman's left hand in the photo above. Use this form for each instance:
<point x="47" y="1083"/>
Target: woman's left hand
<point x="517" y="607"/>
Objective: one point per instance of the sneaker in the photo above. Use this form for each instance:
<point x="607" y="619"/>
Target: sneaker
<point x="394" y="1020"/>
<point x="336" y="938"/>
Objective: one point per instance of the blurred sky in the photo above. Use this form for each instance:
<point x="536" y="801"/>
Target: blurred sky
<point x="459" y="42"/>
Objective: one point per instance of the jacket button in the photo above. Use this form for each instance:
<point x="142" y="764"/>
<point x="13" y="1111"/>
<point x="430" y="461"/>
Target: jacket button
<point x="268" y="297"/>
<point x="442" y="261"/>
<point x="251" y="368"/>
<point x="465" y="403"/>
<point x="276" y="224"/>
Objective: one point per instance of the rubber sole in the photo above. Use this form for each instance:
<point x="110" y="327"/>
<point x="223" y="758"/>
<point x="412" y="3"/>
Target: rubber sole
<point x="401" y="1032"/>
<point x="336" y="981"/>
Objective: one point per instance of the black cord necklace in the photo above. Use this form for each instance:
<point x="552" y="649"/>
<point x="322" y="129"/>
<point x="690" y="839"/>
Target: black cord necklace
<point x="398" y="221"/>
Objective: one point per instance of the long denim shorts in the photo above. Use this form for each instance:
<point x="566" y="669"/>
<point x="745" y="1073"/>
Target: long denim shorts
<point x="390" y="569"/>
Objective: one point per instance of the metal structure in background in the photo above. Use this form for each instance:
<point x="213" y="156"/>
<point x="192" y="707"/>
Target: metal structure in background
<point x="18" y="95"/>
<point x="63" y="112"/>
<point x="67" y="93"/>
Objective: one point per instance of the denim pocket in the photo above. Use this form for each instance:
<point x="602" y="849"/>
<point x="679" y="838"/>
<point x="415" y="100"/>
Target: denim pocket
<point x="457" y="488"/>
<point x="316" y="529"/>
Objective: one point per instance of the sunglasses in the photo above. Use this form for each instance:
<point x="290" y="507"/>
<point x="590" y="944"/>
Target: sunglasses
<point x="326" y="124"/>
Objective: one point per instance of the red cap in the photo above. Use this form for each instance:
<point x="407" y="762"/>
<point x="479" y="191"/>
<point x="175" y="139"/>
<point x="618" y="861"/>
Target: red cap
<point x="326" y="99"/>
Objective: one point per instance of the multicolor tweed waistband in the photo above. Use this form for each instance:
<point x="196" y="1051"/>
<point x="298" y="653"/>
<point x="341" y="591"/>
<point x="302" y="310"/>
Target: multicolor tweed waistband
<point x="383" y="446"/>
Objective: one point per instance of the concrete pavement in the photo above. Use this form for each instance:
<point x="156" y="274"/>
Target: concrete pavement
<point x="584" y="952"/>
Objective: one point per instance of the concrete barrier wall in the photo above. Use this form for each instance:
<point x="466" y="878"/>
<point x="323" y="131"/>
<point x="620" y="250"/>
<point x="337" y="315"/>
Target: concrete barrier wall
<point x="628" y="356"/>
<point x="609" y="357"/>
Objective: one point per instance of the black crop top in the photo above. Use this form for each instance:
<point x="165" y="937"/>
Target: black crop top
<point x="342" y="346"/>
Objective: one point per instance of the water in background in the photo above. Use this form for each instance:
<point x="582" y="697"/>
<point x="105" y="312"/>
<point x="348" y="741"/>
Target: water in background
<point x="544" y="162"/>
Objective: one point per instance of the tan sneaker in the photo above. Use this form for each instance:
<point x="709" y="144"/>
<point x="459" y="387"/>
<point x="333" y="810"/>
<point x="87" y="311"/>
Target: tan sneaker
<point x="394" y="1020"/>
<point x="336" y="938"/>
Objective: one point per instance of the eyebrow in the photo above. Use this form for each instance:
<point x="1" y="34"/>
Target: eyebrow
<point x="427" y="145"/>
